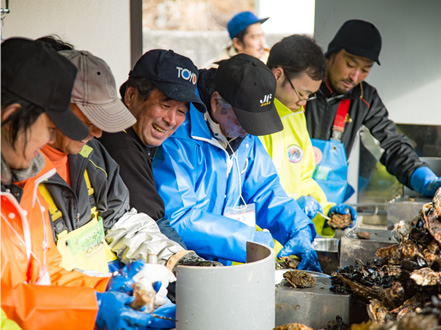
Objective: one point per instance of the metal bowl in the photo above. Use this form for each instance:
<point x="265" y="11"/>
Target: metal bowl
<point x="327" y="252"/>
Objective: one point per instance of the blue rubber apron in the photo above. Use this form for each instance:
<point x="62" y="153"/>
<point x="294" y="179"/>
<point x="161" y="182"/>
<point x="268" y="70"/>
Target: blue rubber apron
<point x="331" y="171"/>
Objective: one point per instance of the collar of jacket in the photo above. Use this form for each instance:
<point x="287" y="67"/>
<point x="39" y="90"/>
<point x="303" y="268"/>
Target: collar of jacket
<point x="326" y="89"/>
<point x="150" y="151"/>
<point x="196" y="127"/>
<point x="283" y="111"/>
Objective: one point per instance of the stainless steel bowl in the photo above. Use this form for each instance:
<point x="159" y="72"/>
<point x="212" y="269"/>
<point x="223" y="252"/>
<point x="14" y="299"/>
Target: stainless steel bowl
<point x="327" y="252"/>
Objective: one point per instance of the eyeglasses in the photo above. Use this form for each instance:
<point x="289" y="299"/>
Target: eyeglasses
<point x="310" y="97"/>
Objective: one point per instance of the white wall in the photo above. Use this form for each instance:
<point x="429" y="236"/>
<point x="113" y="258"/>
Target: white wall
<point x="99" y="26"/>
<point x="287" y="16"/>
<point x="409" y="78"/>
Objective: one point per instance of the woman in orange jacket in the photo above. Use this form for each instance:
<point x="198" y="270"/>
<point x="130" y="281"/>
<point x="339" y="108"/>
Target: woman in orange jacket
<point x="35" y="291"/>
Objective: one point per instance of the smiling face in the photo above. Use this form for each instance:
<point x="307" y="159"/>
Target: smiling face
<point x="253" y="41"/>
<point x="28" y="143"/>
<point x="157" y="118"/>
<point x="345" y="71"/>
<point x="73" y="147"/>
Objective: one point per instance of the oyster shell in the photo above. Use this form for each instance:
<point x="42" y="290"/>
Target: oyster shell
<point x="299" y="279"/>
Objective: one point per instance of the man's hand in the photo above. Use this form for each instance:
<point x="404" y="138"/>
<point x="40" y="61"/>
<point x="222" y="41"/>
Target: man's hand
<point x="300" y="245"/>
<point x="309" y="205"/>
<point x="344" y="209"/>
<point x="114" y="313"/>
<point x="123" y="280"/>
<point x="425" y="181"/>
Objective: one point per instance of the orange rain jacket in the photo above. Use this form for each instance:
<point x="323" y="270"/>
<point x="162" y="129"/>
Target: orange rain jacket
<point x="70" y="301"/>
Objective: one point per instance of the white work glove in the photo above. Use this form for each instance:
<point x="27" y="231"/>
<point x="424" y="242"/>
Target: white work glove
<point x="152" y="273"/>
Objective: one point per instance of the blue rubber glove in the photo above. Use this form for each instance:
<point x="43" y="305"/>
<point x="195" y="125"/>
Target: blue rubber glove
<point x="167" y="310"/>
<point x="115" y="313"/>
<point x="124" y="279"/>
<point x="425" y="181"/>
<point x="344" y="209"/>
<point x="264" y="237"/>
<point x="309" y="205"/>
<point x="300" y="245"/>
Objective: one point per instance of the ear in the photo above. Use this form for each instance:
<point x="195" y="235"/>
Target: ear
<point x="237" y="45"/>
<point x="214" y="101"/>
<point x="9" y="110"/>
<point x="278" y="73"/>
<point x="130" y="97"/>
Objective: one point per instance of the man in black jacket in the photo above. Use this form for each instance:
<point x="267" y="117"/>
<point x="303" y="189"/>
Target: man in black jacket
<point x="345" y="102"/>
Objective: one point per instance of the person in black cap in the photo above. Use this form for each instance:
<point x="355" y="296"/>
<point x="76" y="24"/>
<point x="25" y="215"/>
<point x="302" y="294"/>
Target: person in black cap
<point x="158" y="93"/>
<point x="217" y="180"/>
<point x="345" y="102"/>
<point x="36" y="90"/>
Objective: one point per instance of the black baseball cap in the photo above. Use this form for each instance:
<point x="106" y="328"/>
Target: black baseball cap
<point x="358" y="38"/>
<point x="249" y="86"/>
<point x="173" y="74"/>
<point x="39" y="75"/>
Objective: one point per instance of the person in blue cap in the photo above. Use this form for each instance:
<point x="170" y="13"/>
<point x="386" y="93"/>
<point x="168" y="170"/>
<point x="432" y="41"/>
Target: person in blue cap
<point x="345" y="102"/>
<point x="247" y="37"/>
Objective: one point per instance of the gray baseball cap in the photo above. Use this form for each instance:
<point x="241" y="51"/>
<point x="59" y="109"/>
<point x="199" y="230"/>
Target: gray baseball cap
<point x="95" y="92"/>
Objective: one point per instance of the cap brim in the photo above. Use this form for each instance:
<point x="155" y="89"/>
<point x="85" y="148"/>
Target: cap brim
<point x="110" y="117"/>
<point x="69" y="124"/>
<point x="262" y="20"/>
<point x="180" y="93"/>
<point x="259" y="123"/>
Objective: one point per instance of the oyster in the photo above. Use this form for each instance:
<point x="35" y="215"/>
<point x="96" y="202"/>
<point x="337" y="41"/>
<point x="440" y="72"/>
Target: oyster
<point x="143" y="297"/>
<point x="299" y="279"/>
<point x="340" y="221"/>
<point x="378" y="312"/>
<point x="387" y="252"/>
<point x="363" y="234"/>
<point x="426" y="276"/>
<point x="293" y="326"/>
<point x="287" y="263"/>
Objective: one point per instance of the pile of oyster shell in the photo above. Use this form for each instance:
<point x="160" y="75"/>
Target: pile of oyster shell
<point x="403" y="281"/>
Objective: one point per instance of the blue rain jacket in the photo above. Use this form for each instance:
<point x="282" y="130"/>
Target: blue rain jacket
<point x="192" y="176"/>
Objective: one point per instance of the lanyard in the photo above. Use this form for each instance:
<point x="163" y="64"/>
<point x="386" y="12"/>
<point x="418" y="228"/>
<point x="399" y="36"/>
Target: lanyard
<point x="339" y="121"/>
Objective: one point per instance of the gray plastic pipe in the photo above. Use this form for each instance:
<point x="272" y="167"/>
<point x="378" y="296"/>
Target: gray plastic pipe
<point x="233" y="297"/>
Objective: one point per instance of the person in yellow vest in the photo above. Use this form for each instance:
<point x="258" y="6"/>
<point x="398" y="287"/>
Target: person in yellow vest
<point x="299" y="66"/>
<point x="35" y="291"/>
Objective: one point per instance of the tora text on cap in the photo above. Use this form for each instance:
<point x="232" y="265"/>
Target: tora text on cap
<point x="187" y="75"/>
<point x="266" y="100"/>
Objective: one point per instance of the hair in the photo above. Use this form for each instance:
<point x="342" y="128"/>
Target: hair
<point x="210" y="88"/>
<point x="143" y="85"/>
<point x="240" y="37"/>
<point x="296" y="54"/>
<point x="55" y="42"/>
<point x="21" y="119"/>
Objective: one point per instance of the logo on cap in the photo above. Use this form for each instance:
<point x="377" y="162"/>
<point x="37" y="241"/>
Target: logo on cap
<point x="266" y="100"/>
<point x="187" y="75"/>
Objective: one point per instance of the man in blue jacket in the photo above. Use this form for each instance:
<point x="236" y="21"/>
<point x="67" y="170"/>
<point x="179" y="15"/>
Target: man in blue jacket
<point x="215" y="177"/>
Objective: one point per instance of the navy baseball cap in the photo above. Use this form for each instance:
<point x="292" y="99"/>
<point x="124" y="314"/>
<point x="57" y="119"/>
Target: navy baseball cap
<point x="38" y="74"/>
<point x="241" y="21"/>
<point x="173" y="74"/>
<point x="249" y="86"/>
<point x="358" y="38"/>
